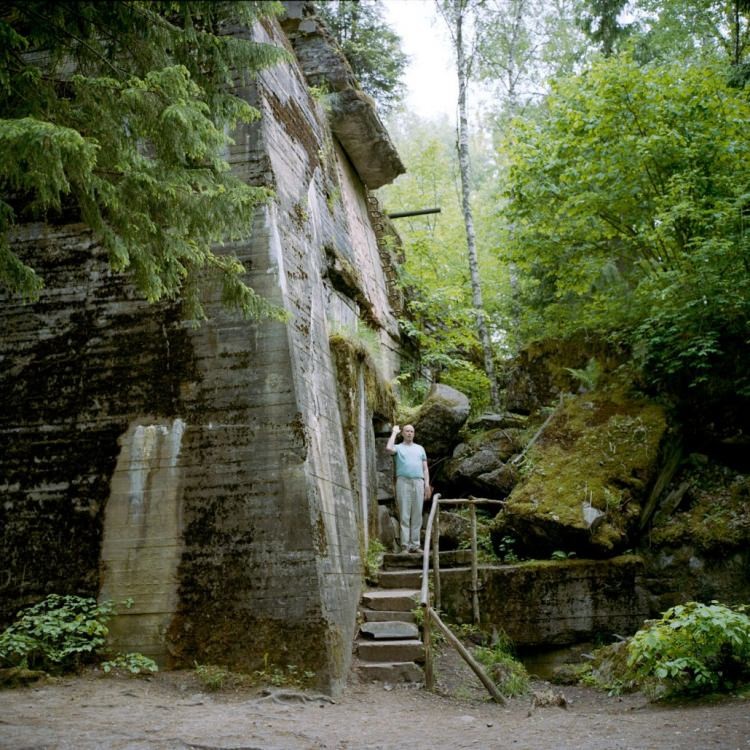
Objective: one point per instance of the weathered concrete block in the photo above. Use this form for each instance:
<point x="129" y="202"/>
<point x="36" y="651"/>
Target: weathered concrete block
<point x="241" y="537"/>
<point x="552" y="602"/>
<point x="389" y="630"/>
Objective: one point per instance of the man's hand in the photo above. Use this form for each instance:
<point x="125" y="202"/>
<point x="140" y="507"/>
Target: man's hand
<point x="391" y="447"/>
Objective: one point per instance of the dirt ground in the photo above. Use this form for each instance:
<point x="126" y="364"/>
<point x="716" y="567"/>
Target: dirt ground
<point x="171" y="711"/>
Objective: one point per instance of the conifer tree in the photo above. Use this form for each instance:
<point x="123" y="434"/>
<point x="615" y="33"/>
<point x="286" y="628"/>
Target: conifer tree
<point x="372" y="48"/>
<point x="115" y="114"/>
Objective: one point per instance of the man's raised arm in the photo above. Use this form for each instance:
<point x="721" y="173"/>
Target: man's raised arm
<point x="391" y="445"/>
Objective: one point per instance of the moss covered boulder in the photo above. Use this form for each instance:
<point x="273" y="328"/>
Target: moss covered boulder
<point x="545" y="369"/>
<point x="584" y="481"/>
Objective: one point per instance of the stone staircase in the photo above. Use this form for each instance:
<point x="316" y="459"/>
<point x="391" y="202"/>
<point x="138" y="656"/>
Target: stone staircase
<point x="389" y="646"/>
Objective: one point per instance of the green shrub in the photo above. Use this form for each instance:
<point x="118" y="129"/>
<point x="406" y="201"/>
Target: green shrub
<point x="61" y="633"/>
<point x="504" y="669"/>
<point x="56" y="635"/>
<point x="374" y="559"/>
<point x="695" y="648"/>
<point x="134" y="663"/>
<point x="214" y="677"/>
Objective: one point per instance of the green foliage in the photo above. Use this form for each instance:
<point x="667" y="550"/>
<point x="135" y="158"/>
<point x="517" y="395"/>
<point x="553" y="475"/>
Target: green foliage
<point x="471" y="381"/>
<point x="696" y="30"/>
<point x="122" y="124"/>
<point x="214" y="677"/>
<point x="589" y="376"/>
<point x="374" y="559"/>
<point x="694" y="648"/>
<point x="626" y="208"/>
<point x="503" y="668"/>
<point x="57" y="635"/>
<point x="560" y="554"/>
<point x="62" y="633"/>
<point x="485" y="548"/>
<point x="506" y="550"/>
<point x="132" y="662"/>
<point x="289" y="676"/>
<point x="440" y="318"/>
<point x="600" y="20"/>
<point x="372" y="48"/>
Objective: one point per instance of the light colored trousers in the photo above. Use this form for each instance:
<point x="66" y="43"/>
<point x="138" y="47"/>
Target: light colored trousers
<point x="410" y="497"/>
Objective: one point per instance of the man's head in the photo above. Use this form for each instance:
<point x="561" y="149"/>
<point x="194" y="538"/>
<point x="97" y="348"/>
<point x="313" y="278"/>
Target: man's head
<point x="408" y="433"/>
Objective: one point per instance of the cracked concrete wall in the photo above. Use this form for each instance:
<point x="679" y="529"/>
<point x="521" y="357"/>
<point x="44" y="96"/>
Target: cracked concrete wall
<point x="203" y="471"/>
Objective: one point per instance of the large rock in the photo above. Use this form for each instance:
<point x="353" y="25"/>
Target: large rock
<point x="479" y="465"/>
<point x="587" y="477"/>
<point x="440" y="419"/>
<point x="352" y="114"/>
<point x="545" y="369"/>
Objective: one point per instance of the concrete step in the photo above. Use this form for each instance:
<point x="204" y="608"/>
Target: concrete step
<point x="389" y="630"/>
<point x="398" y="600"/>
<point x="400" y="671"/>
<point x="448" y="559"/>
<point x="400" y="579"/>
<point x="390" y="651"/>
<point x="374" y="615"/>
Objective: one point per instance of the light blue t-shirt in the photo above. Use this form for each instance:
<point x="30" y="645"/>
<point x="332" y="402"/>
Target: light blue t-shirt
<point x="409" y="461"/>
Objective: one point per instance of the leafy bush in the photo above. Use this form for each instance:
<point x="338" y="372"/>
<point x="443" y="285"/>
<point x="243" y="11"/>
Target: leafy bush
<point x="61" y="633"/>
<point x="56" y="635"/>
<point x="625" y="216"/>
<point x="695" y="648"/>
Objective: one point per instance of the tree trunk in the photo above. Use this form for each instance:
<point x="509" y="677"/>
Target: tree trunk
<point x="464" y="166"/>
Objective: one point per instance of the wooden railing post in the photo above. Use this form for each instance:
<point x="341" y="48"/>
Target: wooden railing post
<point x="474" y="565"/>
<point x="431" y="616"/>
<point x="469" y="659"/>
<point x="436" y="559"/>
<point x="429" y="674"/>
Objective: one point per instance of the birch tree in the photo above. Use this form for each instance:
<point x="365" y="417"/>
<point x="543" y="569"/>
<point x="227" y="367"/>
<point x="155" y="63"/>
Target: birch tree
<point x="458" y="16"/>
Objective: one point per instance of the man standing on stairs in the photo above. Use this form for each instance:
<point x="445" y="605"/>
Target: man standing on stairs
<point x="412" y="485"/>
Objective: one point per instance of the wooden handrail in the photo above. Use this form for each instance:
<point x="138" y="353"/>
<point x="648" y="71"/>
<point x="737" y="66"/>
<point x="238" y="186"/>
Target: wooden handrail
<point x="431" y="615"/>
<point x="425" y="594"/>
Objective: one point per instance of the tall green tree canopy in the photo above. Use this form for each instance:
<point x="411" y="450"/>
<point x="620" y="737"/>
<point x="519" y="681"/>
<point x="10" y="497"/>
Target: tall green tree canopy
<point x="696" y="30"/>
<point x="628" y="211"/>
<point x="371" y="46"/>
<point x="115" y="114"/>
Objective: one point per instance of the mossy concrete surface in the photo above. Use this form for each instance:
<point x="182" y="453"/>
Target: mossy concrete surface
<point x="598" y="457"/>
<point x="544" y="603"/>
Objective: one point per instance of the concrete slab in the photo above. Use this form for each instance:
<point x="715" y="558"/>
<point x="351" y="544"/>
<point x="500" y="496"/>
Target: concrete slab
<point x="400" y="579"/>
<point x="402" y="600"/>
<point x="389" y="630"/>
<point x="406" y="671"/>
<point x="375" y="615"/>
<point x="390" y="651"/>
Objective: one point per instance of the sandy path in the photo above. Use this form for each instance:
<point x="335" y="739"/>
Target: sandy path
<point x="168" y="711"/>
